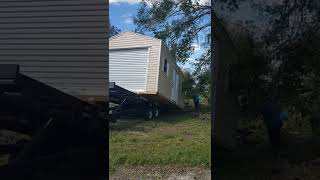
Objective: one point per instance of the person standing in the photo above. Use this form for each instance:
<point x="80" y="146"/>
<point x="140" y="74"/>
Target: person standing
<point x="196" y="101"/>
<point x="273" y="119"/>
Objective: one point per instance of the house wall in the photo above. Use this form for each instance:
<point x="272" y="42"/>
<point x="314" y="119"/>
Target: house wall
<point x="62" y="43"/>
<point x="134" y="40"/>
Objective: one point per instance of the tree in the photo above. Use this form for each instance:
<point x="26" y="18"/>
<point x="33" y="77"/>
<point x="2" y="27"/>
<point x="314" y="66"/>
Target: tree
<point x="180" y="24"/>
<point x="289" y="44"/>
<point x="188" y="83"/>
<point x="113" y="30"/>
<point x="290" y="40"/>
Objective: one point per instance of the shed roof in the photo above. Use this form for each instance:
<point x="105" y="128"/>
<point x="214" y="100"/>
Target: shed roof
<point x="133" y="33"/>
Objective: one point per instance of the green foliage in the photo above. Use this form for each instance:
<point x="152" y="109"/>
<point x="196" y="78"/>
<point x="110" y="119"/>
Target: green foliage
<point x="113" y="30"/>
<point x="228" y="4"/>
<point x="291" y="40"/>
<point x="286" y="51"/>
<point x="197" y="85"/>
<point x="300" y="77"/>
<point x="204" y="85"/>
<point x="180" y="24"/>
<point x="188" y="84"/>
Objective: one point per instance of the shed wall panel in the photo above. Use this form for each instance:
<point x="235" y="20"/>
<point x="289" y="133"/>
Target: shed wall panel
<point x="128" y="68"/>
<point x="165" y="81"/>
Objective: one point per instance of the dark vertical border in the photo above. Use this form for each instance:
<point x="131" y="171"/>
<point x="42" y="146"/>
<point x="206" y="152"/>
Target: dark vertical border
<point x="107" y="108"/>
<point x="213" y="162"/>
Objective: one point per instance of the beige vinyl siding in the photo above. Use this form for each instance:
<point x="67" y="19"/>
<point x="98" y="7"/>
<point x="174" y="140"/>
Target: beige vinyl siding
<point x="165" y="82"/>
<point x="62" y="43"/>
<point x="180" y="94"/>
<point x="129" y="40"/>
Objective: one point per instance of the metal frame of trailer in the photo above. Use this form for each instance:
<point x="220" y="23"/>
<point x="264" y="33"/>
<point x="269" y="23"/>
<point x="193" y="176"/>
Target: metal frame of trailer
<point x="64" y="130"/>
<point x="124" y="103"/>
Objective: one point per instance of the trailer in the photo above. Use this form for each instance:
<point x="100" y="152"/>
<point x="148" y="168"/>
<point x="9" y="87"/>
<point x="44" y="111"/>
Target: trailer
<point x="124" y="103"/>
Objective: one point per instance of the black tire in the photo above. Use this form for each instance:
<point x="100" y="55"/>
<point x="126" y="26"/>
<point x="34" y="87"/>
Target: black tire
<point x="148" y="115"/>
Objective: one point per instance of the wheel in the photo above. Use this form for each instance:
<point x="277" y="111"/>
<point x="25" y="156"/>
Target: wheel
<point x="149" y="114"/>
<point x="156" y="112"/>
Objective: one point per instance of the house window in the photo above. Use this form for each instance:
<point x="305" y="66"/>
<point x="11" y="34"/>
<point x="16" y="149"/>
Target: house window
<point x="166" y="67"/>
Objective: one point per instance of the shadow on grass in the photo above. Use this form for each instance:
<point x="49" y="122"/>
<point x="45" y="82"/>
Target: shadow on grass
<point x="127" y="124"/>
<point x="139" y="124"/>
<point x="255" y="161"/>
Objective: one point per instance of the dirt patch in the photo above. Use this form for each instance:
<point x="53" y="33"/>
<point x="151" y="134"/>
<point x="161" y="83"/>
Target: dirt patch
<point x="187" y="135"/>
<point x="168" y="130"/>
<point x="155" y="172"/>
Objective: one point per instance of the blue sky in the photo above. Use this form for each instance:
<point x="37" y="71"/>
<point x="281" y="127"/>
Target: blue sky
<point x="121" y="13"/>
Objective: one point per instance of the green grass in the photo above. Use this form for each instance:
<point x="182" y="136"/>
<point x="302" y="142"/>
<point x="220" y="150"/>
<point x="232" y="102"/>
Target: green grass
<point x="4" y="159"/>
<point x="177" y="140"/>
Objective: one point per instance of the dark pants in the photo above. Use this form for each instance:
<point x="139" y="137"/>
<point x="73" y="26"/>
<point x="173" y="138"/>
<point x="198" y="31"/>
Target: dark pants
<point x="274" y="137"/>
<point x="197" y="106"/>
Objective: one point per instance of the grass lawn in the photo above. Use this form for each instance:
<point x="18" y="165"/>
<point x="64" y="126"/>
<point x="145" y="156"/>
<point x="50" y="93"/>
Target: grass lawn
<point x="9" y="137"/>
<point x="171" y="140"/>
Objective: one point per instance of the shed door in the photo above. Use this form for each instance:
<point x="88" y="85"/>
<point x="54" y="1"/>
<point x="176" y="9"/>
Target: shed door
<point x="128" y="68"/>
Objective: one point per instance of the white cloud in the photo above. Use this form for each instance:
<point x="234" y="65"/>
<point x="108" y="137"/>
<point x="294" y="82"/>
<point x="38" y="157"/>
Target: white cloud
<point x="191" y="61"/>
<point x="126" y="15"/>
<point x="128" y="21"/>
<point x="127" y="18"/>
<point x="202" y="2"/>
<point x="196" y="47"/>
<point x="124" y="1"/>
<point x="131" y="2"/>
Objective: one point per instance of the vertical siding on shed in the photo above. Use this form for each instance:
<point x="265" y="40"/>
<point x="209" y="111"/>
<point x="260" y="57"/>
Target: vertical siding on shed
<point x="134" y="40"/>
<point x="62" y="43"/>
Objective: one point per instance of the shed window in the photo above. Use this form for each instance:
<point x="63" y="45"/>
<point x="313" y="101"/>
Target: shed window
<point x="166" y="67"/>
